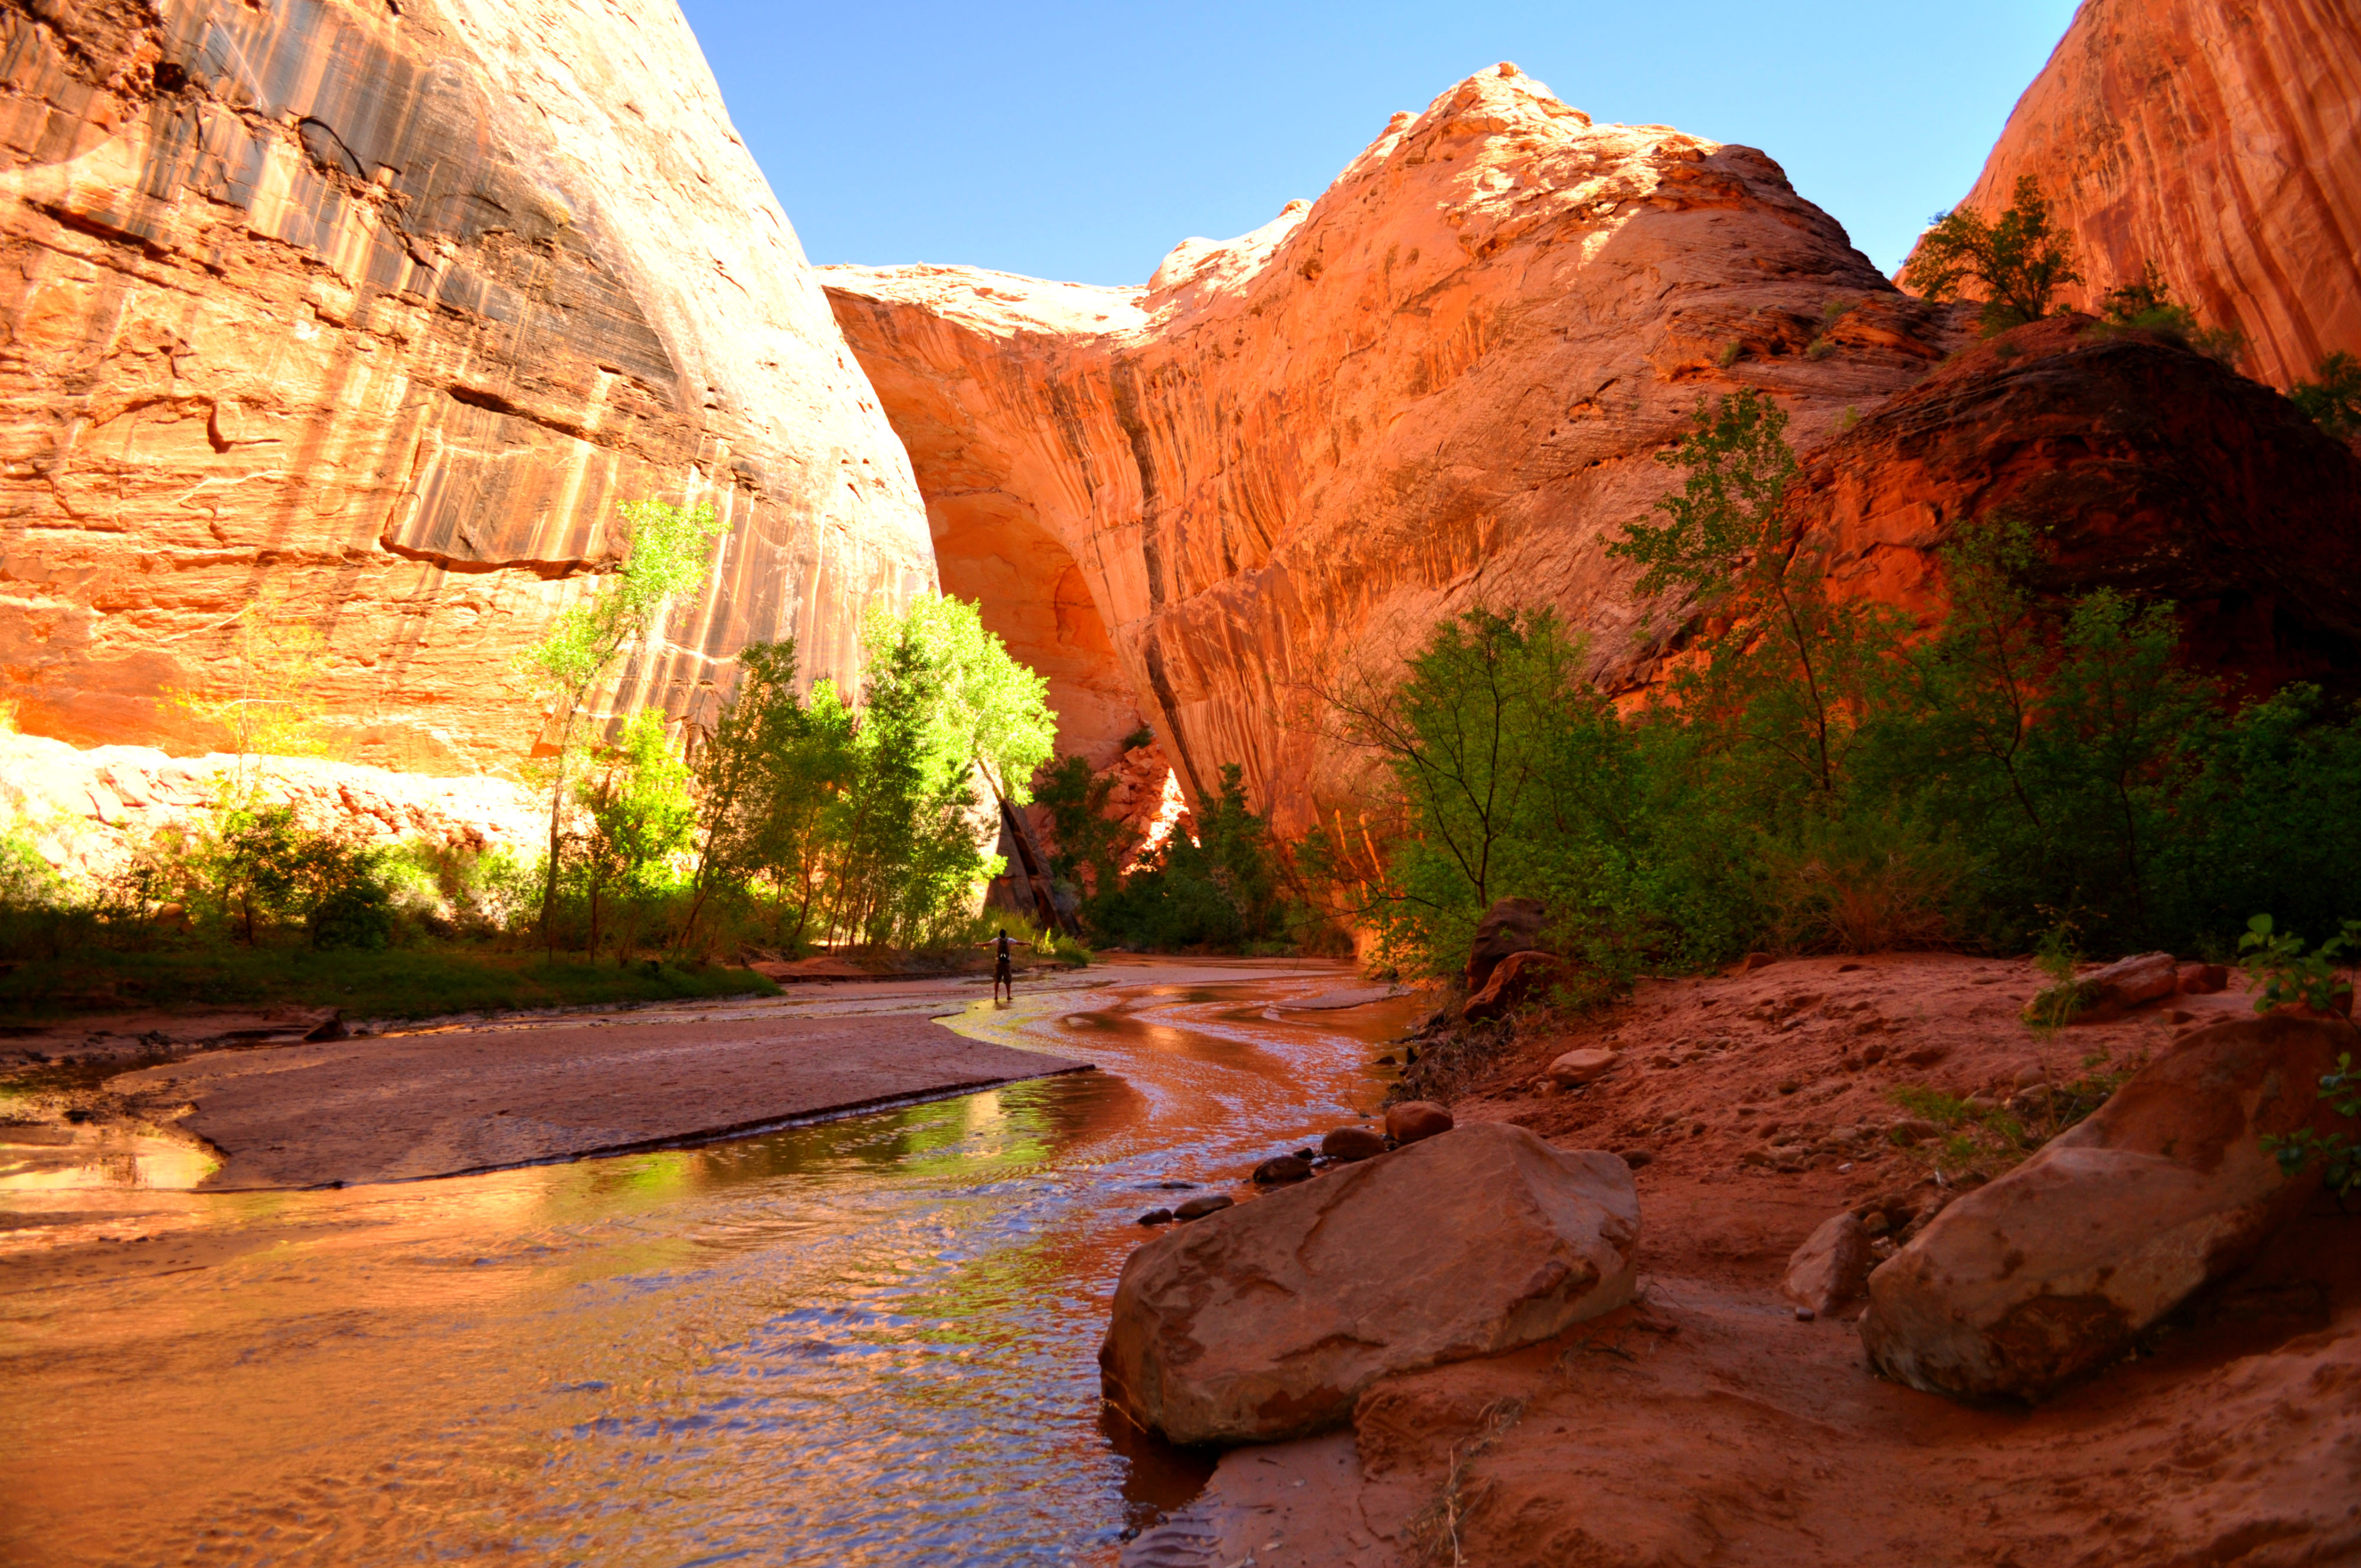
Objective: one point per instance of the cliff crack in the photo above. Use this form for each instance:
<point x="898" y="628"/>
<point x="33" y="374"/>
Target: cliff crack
<point x="549" y="571"/>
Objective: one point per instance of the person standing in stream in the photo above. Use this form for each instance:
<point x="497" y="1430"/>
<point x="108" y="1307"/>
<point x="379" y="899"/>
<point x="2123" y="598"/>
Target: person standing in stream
<point x="1002" y="975"/>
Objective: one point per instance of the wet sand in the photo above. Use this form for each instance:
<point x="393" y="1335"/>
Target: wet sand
<point x="346" y="1111"/>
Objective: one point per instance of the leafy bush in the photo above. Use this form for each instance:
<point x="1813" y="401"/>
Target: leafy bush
<point x="1221" y="889"/>
<point x="1810" y="778"/>
<point x="2146" y="303"/>
<point x="2334" y="402"/>
<point x="2285" y="975"/>
<point x="2337" y="1153"/>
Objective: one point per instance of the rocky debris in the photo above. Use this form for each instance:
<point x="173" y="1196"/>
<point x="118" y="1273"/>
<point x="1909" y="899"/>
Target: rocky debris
<point x="2203" y="980"/>
<point x="1268" y="1321"/>
<point x="2018" y="1286"/>
<point x="462" y="298"/>
<point x="1414" y="1119"/>
<point x="1510" y="925"/>
<point x="1198" y="1208"/>
<point x="1280" y="1169"/>
<point x="1157" y="1217"/>
<point x="1353" y="1143"/>
<point x="1516" y="980"/>
<point x="1830" y="1267"/>
<point x="1579" y="1067"/>
<point x="2153" y="117"/>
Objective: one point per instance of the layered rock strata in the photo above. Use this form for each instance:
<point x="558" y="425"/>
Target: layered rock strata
<point x="375" y="313"/>
<point x="2220" y="139"/>
<point x="1438" y="386"/>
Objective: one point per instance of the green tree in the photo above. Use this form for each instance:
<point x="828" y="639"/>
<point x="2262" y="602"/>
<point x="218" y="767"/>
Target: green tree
<point x="1090" y="847"/>
<point x="640" y="816"/>
<point x="1217" y="889"/>
<point x="2022" y="260"/>
<point x="2334" y="402"/>
<point x="664" y="556"/>
<point x="1788" y="673"/>
<point x="2147" y="302"/>
<point x="976" y="706"/>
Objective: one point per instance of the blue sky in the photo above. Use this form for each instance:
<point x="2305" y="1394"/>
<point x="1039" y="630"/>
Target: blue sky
<point x="1082" y="142"/>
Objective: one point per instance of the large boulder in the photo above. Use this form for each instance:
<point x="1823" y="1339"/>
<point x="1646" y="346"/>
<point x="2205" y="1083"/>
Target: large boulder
<point x="1510" y="925"/>
<point x="2018" y="1287"/>
<point x="1267" y="1320"/>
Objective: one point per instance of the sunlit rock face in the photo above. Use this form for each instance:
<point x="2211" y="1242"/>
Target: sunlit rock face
<point x="383" y="309"/>
<point x="1439" y="385"/>
<point x="2220" y="139"/>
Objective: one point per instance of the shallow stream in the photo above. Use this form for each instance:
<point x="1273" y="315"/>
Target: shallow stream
<point x="867" y="1342"/>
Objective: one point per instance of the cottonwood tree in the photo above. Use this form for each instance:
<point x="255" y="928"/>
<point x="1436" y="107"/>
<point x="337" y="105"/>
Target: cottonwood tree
<point x="2022" y="259"/>
<point x="640" y="816"/>
<point x="664" y="556"/>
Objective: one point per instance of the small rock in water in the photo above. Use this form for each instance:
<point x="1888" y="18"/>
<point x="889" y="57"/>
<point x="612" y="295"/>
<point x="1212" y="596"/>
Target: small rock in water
<point x="1198" y="1208"/>
<point x="1306" y="1154"/>
<point x="1176" y="1186"/>
<point x="1353" y="1143"/>
<point x="1281" y="1169"/>
<point x="1157" y="1217"/>
<point x="1415" y="1119"/>
<point x="1386" y="1059"/>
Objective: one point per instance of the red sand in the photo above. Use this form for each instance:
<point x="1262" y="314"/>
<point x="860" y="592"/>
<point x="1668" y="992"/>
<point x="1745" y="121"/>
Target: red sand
<point x="1706" y="1425"/>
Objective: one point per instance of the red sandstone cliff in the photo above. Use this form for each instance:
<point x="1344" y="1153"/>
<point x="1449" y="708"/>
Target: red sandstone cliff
<point x="1439" y="385"/>
<point x="384" y="309"/>
<point x="2150" y="469"/>
<point x="2220" y="139"/>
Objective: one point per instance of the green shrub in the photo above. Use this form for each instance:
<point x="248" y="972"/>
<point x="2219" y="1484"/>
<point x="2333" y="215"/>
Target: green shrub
<point x="2334" y="402"/>
<point x="1219" y="889"/>
<point x="1811" y="779"/>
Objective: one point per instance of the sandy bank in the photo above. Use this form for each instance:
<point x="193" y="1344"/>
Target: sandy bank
<point x="1706" y="1424"/>
<point x="437" y="1105"/>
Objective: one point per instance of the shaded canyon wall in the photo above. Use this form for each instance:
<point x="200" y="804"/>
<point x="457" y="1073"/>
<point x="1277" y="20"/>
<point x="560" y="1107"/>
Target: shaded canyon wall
<point x="381" y="311"/>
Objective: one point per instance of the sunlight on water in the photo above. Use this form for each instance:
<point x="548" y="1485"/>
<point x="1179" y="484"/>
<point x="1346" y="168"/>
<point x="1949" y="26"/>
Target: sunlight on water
<point x="870" y="1342"/>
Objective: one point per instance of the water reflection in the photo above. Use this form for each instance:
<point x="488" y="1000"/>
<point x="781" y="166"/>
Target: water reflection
<point x="866" y="1341"/>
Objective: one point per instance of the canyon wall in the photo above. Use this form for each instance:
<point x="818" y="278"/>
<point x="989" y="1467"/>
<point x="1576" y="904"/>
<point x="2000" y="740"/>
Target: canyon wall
<point x="2220" y="139"/>
<point x="1439" y="385"/>
<point x="371" y="314"/>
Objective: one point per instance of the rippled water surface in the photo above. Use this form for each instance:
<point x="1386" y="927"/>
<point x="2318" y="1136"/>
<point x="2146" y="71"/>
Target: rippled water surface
<point x="866" y="1341"/>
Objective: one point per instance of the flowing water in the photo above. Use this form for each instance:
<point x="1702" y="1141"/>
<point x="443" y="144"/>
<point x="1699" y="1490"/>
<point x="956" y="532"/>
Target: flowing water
<point x="867" y="1342"/>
